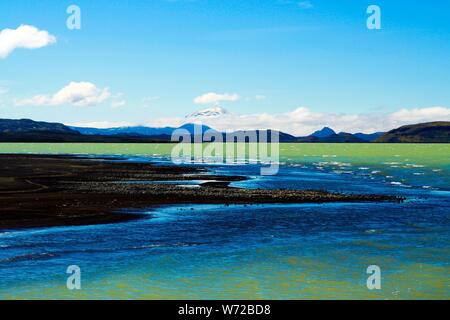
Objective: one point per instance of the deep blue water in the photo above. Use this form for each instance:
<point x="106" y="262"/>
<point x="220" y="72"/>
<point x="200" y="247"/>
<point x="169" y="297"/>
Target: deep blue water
<point x="196" y="251"/>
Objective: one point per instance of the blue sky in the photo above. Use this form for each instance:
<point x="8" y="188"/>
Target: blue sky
<point x="155" y="57"/>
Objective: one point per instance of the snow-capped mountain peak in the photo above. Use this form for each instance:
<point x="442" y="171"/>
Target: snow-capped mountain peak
<point x="213" y="112"/>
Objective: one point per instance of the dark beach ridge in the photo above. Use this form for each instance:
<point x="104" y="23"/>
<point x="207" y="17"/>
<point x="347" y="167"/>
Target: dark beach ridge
<point x="48" y="190"/>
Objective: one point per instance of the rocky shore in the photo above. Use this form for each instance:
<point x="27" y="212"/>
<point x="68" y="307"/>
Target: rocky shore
<point x="39" y="190"/>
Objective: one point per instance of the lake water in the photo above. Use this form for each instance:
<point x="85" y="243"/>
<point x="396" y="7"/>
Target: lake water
<point x="301" y="251"/>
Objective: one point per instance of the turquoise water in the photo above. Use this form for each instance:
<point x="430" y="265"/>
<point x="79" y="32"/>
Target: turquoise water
<point x="308" y="251"/>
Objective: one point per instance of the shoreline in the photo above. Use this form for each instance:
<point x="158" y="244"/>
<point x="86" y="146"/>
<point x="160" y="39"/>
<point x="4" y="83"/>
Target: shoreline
<point x="64" y="190"/>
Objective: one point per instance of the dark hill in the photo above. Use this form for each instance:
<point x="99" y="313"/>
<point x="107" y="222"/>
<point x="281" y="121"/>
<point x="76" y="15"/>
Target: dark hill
<point x="8" y="126"/>
<point x="26" y="130"/>
<point x="432" y="132"/>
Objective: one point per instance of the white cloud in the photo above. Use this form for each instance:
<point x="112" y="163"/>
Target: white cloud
<point x="148" y="101"/>
<point x="118" y="100"/>
<point x="258" y="97"/>
<point x="78" y="94"/>
<point x="212" y="97"/>
<point x="25" y="36"/>
<point x="302" y="121"/>
<point x="3" y="90"/>
<point x="420" y="115"/>
<point x="118" y="103"/>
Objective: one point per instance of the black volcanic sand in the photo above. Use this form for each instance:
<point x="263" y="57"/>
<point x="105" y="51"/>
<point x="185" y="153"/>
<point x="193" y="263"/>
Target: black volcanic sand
<point x="40" y="191"/>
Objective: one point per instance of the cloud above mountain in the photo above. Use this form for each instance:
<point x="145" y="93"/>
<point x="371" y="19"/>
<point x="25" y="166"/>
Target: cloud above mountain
<point x="78" y="94"/>
<point x="26" y="37"/>
<point x="420" y="115"/>
<point x="213" y="98"/>
<point x="303" y="121"/>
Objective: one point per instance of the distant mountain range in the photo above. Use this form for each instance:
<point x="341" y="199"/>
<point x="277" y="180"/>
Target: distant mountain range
<point x="330" y="136"/>
<point x="324" y="135"/>
<point x="138" y="130"/>
<point x="26" y="130"/>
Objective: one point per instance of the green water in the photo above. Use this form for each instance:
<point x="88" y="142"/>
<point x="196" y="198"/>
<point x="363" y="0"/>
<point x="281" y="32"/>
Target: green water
<point x="269" y="275"/>
<point x="399" y="162"/>
<point x="438" y="154"/>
